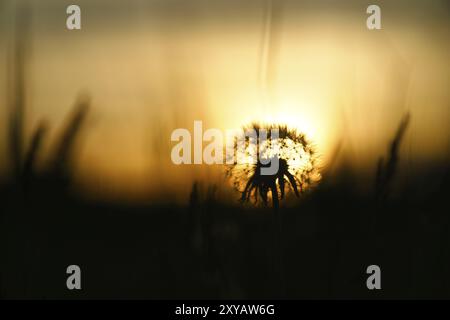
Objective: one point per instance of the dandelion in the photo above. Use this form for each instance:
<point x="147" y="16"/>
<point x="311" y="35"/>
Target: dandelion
<point x="296" y="157"/>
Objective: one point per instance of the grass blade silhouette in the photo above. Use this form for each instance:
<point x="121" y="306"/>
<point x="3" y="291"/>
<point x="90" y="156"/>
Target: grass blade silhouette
<point x="29" y="165"/>
<point x="386" y="171"/>
<point x="64" y="149"/>
<point x="17" y="102"/>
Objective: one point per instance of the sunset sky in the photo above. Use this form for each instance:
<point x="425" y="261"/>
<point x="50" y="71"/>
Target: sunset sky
<point x="153" y="66"/>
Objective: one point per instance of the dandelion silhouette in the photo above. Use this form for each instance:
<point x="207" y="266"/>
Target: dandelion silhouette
<point x="296" y="159"/>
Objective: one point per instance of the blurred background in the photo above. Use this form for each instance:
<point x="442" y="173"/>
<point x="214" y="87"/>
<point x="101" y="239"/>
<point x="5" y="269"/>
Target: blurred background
<point x="153" y="66"/>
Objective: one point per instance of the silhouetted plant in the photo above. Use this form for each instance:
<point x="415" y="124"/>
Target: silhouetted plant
<point x="386" y="171"/>
<point x="29" y="166"/>
<point x="23" y="161"/>
<point x="63" y="150"/>
<point x="296" y="158"/>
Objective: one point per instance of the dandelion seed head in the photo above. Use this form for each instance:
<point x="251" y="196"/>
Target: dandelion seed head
<point x="297" y="163"/>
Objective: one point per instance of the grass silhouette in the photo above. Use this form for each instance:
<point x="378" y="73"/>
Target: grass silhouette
<point x="386" y="171"/>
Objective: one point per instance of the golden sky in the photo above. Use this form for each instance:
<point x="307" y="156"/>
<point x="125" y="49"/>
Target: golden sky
<point x="154" y="66"/>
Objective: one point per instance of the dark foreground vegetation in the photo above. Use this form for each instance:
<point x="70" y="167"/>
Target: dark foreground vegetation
<point x="317" y="248"/>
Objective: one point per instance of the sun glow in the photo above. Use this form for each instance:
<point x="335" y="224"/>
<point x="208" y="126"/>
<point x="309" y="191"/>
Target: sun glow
<point x="303" y="117"/>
